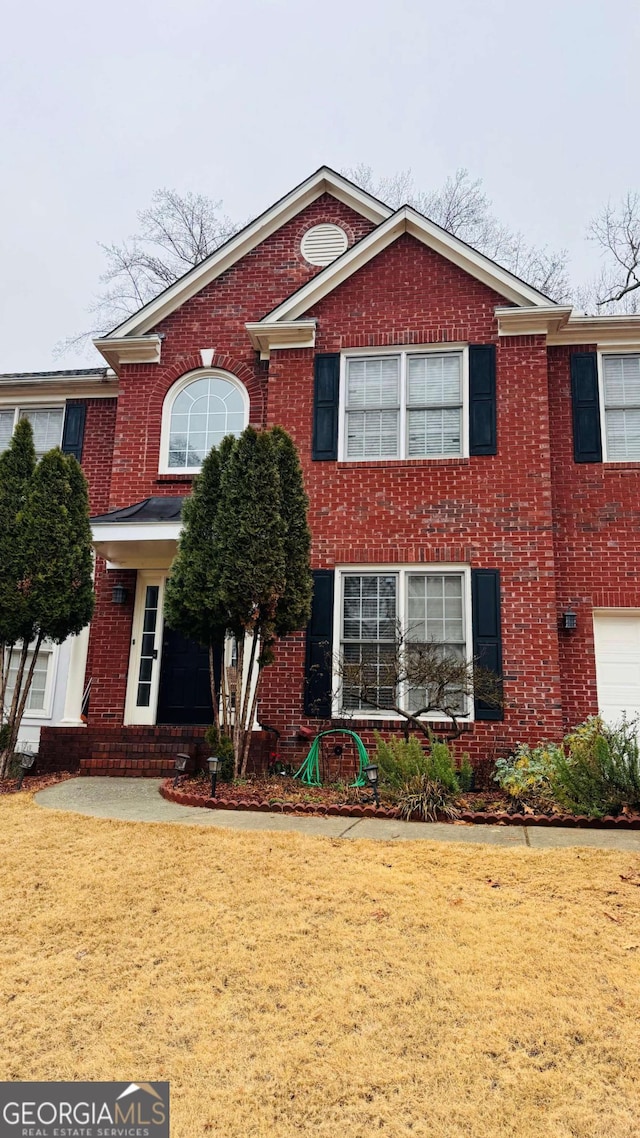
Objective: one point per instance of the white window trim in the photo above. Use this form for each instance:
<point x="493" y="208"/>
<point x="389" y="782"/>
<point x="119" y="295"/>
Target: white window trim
<point x="52" y="651"/>
<point x="33" y="403"/>
<point x="400" y="571"/>
<point x="601" y="354"/>
<point x="402" y="352"/>
<point x="167" y="407"/>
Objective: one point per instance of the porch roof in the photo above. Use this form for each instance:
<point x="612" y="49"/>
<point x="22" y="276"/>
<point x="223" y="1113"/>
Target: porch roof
<point x="157" y="509"/>
<point x="141" y="536"/>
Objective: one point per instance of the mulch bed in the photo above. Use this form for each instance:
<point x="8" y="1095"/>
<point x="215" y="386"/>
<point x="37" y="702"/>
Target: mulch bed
<point x="34" y="782"/>
<point x="289" y="796"/>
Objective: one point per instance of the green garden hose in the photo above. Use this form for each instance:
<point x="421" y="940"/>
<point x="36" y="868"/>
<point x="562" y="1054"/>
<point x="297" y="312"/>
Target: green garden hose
<point x="309" y="772"/>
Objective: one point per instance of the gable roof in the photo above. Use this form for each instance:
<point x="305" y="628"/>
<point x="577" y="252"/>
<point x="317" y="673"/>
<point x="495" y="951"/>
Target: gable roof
<point x="323" y="181"/>
<point x="407" y="220"/>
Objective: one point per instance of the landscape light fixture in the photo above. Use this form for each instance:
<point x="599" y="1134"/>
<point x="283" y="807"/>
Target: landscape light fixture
<point x="181" y="766"/>
<point x="214" y="767"/>
<point x="26" y="763"/>
<point x="372" y="778"/>
<point x="119" y="595"/>
<point x="569" y="621"/>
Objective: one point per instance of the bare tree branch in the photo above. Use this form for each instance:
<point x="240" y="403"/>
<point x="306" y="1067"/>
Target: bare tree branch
<point x="461" y="207"/>
<point x="616" y="230"/>
<point x="412" y="680"/>
<point x="176" y="232"/>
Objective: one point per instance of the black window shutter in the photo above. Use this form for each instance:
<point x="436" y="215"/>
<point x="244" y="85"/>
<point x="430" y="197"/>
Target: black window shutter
<point x="482" y="399"/>
<point x="487" y="635"/>
<point x="73" y="430"/>
<point x="587" y="442"/>
<point x="326" y="390"/>
<point x="317" y="688"/>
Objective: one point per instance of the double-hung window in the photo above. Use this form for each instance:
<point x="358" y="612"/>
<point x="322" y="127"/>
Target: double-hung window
<point x="39" y="697"/>
<point x="46" y="423"/>
<point x="621" y="402"/>
<point x="390" y="624"/>
<point x="404" y="405"/>
<point x="369" y="629"/>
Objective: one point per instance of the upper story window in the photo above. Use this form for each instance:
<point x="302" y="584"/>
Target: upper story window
<point x="199" y="410"/>
<point x="621" y="402"/>
<point x="46" y="423"/>
<point x="404" y="405"/>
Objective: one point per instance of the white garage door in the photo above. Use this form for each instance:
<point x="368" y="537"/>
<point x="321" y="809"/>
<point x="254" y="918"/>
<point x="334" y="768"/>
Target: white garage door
<point x="617" y="644"/>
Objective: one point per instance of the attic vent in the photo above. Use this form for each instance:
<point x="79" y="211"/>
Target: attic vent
<point x="322" y="244"/>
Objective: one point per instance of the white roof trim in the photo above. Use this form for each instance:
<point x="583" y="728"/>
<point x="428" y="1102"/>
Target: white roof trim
<point x="561" y="326"/>
<point x="136" y="531"/>
<point x="535" y="321"/>
<point x="323" y="181"/>
<point x="132" y="350"/>
<point x="286" y="334"/>
<point x="408" y="220"/>
<point x="604" y="331"/>
<point x="63" y="386"/>
<point x="136" y="545"/>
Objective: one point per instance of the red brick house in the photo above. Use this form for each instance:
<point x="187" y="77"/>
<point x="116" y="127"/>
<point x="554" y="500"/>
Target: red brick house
<point x="471" y="452"/>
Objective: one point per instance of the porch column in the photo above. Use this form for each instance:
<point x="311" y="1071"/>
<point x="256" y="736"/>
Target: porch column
<point x="75" y="680"/>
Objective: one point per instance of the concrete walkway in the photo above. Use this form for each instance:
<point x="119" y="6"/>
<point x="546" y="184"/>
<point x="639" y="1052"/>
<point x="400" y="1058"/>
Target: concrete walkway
<point x="138" y="800"/>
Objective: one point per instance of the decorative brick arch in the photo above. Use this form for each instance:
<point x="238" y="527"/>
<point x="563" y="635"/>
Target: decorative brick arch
<point x="168" y="376"/>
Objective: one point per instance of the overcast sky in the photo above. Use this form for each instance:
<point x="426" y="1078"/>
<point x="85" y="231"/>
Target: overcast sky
<point x="100" y="104"/>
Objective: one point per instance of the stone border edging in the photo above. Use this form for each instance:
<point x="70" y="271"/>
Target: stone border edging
<point x="623" y="822"/>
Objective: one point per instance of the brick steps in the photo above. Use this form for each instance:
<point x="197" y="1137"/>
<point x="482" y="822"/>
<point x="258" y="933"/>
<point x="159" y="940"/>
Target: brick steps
<point x="132" y="766"/>
<point x="135" y="752"/>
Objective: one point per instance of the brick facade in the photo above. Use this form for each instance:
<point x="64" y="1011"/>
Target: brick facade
<point x="559" y="532"/>
<point x="597" y="540"/>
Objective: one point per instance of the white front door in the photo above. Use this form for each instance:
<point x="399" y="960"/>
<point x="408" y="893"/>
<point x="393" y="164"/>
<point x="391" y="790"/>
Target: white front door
<point x="146" y="648"/>
<point x="617" y="649"/>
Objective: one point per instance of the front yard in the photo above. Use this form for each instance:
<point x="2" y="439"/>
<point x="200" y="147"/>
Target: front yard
<point x="287" y="985"/>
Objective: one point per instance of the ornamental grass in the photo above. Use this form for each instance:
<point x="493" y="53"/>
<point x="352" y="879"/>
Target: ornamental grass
<point x="289" y="985"/>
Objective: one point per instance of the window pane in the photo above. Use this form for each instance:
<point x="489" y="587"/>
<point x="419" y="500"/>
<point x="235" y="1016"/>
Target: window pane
<point x="434" y="608"/>
<point x="149" y="624"/>
<point x="373" y="382"/>
<point x="144" y="695"/>
<point x="369" y="633"/>
<point x="435" y="626"/>
<point x="6" y="428"/>
<point x="437" y="697"/>
<point x="177" y="457"/>
<point x="369" y="608"/>
<point x="372" y="434"/>
<point x="47" y="428"/>
<point x="36" y="697"/>
<point x="621" y="381"/>
<point x="369" y="673"/>
<point x="434" y="380"/>
<point x="434" y="433"/>
<point x="202" y="414"/>
<point x="623" y="434"/>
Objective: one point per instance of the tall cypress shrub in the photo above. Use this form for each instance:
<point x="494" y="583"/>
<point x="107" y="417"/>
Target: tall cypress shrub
<point x="250" y="563"/>
<point x="243" y="564"/>
<point x="192" y="601"/>
<point x="46" y="588"/>
<point x="17" y="464"/>
<point x="294" y="606"/>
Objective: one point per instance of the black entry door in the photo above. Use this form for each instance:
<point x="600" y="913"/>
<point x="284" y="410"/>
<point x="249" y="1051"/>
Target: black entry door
<point x="184" y="696"/>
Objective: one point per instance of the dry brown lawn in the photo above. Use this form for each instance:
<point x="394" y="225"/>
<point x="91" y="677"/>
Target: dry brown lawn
<point x="300" y="986"/>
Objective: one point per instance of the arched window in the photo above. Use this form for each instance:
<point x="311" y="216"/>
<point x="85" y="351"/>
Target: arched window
<point x="199" y="410"/>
